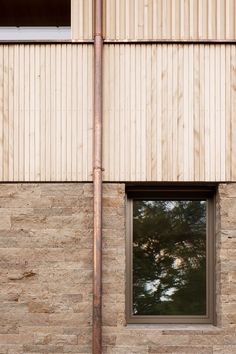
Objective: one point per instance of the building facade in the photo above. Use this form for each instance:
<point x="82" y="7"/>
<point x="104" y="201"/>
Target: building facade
<point x="169" y="134"/>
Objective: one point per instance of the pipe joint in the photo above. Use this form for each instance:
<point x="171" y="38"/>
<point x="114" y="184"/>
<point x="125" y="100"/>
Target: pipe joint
<point x="98" y="168"/>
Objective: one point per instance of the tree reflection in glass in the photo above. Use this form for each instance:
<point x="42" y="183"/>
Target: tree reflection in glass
<point x="169" y="257"/>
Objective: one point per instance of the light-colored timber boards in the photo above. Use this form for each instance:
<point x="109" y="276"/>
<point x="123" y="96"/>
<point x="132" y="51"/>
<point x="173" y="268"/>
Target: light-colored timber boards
<point x="170" y="113"/>
<point x="46" y="112"/>
<point x="170" y="19"/>
<point x="82" y="19"/>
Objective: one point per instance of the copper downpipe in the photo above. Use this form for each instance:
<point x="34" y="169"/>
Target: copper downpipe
<point x="97" y="180"/>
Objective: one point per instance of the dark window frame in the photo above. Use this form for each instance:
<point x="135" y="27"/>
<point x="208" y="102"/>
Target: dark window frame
<point x="178" y="193"/>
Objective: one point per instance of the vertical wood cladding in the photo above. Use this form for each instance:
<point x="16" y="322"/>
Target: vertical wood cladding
<point x="170" y="19"/>
<point x="82" y="19"/>
<point x="169" y="113"/>
<point x="157" y="19"/>
<point x="46" y="112"/>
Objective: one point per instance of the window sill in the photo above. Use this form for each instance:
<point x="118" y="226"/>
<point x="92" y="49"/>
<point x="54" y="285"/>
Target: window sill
<point x="176" y="328"/>
<point x="35" y="33"/>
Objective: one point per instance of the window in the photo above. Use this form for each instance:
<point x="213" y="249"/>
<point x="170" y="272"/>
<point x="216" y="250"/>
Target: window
<point x="170" y="256"/>
<point x="35" y="19"/>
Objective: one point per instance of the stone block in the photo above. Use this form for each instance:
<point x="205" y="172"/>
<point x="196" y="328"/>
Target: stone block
<point x="224" y="350"/>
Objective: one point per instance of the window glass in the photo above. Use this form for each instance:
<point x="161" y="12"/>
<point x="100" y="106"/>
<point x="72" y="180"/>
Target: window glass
<point x="23" y="13"/>
<point x="169" y="257"/>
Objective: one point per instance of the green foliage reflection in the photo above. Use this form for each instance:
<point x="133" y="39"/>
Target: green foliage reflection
<point x="169" y="257"/>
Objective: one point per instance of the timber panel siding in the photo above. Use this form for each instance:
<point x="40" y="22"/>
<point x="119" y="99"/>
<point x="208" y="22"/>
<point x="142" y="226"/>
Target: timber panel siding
<point x="170" y="112"/>
<point x="170" y="19"/>
<point x="46" y="112"/>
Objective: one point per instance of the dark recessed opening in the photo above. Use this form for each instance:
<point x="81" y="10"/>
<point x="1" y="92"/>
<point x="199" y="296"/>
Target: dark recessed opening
<point x="18" y="13"/>
<point x="170" y="254"/>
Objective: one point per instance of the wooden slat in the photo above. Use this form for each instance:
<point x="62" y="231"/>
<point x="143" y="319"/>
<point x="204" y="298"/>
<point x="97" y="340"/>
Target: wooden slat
<point x="196" y="110"/>
<point x="233" y="113"/>
<point x="228" y="111"/>
<point x="15" y="74"/>
<point x="42" y="137"/>
<point x="32" y="112"/>
<point x="26" y="118"/>
<point x="21" y="122"/>
<point x="1" y="110"/>
<point x="10" y="116"/>
<point x="6" y="114"/>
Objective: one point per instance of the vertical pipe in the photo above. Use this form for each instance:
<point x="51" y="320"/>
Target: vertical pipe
<point x="97" y="180"/>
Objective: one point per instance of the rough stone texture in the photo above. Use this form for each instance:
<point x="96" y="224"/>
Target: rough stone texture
<point x="46" y="276"/>
<point x="45" y="268"/>
<point x="160" y="339"/>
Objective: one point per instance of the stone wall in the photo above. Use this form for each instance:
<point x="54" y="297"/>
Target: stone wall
<point x="45" y="268"/>
<point x="46" y="276"/>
